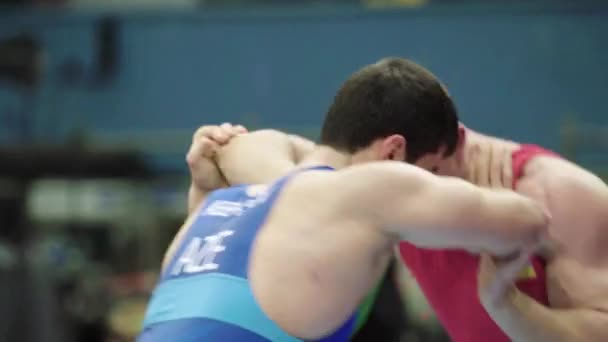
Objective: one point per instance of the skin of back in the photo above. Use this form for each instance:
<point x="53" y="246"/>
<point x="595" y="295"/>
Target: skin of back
<point x="303" y="271"/>
<point x="576" y="261"/>
<point x="307" y="242"/>
<point x="303" y="258"/>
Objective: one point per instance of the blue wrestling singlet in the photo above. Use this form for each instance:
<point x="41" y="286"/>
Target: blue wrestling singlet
<point x="204" y="294"/>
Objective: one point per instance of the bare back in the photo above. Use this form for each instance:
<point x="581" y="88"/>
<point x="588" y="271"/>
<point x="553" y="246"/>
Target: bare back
<point x="316" y="242"/>
<point x="329" y="236"/>
<point x="313" y="263"/>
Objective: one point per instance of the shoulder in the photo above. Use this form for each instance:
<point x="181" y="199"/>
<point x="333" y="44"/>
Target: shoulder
<point x="358" y="187"/>
<point x="366" y="177"/>
<point x="557" y="176"/>
<point x="577" y="200"/>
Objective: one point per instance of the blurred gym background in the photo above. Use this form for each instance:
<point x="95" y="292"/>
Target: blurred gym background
<point x="99" y="100"/>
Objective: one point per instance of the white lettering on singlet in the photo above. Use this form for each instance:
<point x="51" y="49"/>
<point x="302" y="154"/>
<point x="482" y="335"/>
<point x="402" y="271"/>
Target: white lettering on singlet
<point x="223" y="208"/>
<point x="199" y="256"/>
<point x="231" y="208"/>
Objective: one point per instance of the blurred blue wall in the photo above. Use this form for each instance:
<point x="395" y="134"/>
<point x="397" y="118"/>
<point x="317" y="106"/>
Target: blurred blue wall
<point x="514" y="71"/>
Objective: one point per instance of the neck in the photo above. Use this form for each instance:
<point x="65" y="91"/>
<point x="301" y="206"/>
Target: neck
<point x="327" y="156"/>
<point x="478" y="146"/>
<point x="476" y="138"/>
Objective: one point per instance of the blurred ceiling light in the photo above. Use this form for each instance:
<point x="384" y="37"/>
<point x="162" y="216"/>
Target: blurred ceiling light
<point x="394" y="3"/>
<point x="135" y="4"/>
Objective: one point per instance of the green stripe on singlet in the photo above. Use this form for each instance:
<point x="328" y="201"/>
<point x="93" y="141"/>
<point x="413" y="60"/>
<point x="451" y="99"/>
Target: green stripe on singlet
<point x="366" y="307"/>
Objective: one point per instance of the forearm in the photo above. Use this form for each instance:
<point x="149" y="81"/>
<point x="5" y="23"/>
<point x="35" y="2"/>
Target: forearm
<point x="195" y="198"/>
<point x="510" y="216"/>
<point x="504" y="222"/>
<point x="206" y="177"/>
<point x="443" y="212"/>
<point x="524" y="319"/>
<point x="258" y="157"/>
<point x="457" y="214"/>
<point x="196" y="195"/>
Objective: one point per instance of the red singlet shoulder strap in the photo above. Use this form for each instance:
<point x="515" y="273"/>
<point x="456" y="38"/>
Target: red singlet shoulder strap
<point x="523" y="155"/>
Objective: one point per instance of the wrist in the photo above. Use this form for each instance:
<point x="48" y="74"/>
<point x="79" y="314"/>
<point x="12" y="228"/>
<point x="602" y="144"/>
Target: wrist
<point x="207" y="176"/>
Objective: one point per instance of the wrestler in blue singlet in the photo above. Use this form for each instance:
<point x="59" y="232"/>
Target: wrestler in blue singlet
<point x="203" y="293"/>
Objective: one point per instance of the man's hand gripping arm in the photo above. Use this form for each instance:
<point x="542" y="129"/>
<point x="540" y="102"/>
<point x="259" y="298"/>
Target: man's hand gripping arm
<point x="224" y="155"/>
<point x="204" y="173"/>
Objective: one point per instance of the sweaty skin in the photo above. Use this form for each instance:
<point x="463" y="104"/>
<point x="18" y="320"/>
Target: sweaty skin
<point x="367" y="209"/>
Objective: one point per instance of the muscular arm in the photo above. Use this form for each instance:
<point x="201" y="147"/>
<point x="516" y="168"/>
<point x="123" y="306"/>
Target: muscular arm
<point x="261" y="156"/>
<point x="205" y="177"/>
<point x="439" y="212"/>
<point x="578" y="271"/>
<point x="258" y="157"/>
<point x="524" y="319"/>
<point x="578" y="201"/>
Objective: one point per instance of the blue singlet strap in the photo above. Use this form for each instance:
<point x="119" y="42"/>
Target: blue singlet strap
<point x="217" y="296"/>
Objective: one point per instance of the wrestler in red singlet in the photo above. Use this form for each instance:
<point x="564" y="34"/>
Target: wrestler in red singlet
<point x="448" y="278"/>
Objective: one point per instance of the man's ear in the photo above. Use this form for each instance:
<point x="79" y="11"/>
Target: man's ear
<point x="393" y="147"/>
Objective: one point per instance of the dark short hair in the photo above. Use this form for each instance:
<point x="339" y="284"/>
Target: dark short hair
<point x="392" y="96"/>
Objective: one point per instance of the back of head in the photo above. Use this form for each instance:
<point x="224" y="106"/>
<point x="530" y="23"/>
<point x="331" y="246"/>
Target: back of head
<point x="392" y="96"/>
